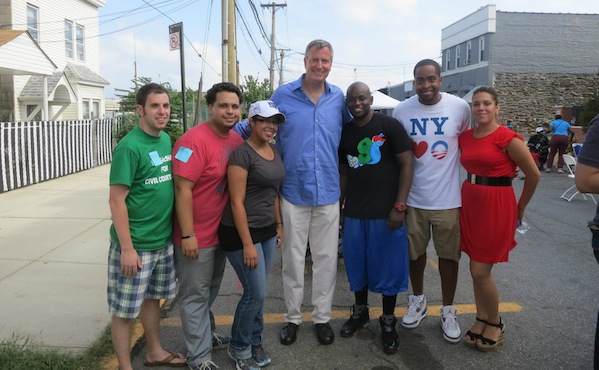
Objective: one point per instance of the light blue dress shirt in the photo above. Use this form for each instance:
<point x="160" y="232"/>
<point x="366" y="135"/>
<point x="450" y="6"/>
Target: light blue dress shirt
<point x="309" y="140"/>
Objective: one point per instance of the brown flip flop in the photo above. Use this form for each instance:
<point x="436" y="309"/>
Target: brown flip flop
<point x="167" y="361"/>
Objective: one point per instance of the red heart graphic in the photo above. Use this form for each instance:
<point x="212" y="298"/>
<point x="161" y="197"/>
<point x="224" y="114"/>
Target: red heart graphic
<point x="419" y="149"/>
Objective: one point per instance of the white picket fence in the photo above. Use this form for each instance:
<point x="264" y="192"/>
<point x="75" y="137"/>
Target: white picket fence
<point x="32" y="152"/>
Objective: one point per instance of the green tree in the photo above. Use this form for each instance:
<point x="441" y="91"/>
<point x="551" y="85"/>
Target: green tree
<point x="253" y="90"/>
<point x="589" y="110"/>
<point x="129" y="117"/>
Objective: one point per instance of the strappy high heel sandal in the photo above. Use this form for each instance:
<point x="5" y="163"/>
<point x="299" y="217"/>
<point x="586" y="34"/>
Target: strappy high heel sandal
<point x="470" y="337"/>
<point x="488" y="345"/>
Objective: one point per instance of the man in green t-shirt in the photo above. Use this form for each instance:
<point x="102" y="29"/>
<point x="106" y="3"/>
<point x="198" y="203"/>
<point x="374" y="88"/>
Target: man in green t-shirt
<point x="140" y="261"/>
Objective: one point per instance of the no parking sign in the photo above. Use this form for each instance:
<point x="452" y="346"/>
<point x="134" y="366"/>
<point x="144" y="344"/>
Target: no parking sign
<point x="174" y="31"/>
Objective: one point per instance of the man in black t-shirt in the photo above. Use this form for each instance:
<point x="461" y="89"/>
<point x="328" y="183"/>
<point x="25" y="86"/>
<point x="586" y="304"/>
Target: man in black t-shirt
<point x="376" y="167"/>
<point x="587" y="181"/>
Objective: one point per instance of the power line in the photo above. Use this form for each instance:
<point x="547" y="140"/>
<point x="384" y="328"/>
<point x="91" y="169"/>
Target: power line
<point x="249" y="34"/>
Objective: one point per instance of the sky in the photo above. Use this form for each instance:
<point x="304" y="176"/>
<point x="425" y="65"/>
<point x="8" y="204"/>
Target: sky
<point x="377" y="42"/>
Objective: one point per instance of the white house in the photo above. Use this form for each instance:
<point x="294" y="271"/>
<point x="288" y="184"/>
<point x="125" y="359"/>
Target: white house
<point x="50" y="60"/>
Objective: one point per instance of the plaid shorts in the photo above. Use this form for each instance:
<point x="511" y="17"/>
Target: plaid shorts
<point x="155" y="280"/>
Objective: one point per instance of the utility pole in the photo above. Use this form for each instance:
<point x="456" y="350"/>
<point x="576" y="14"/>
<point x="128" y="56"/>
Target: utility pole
<point x="232" y="48"/>
<point x="281" y="69"/>
<point x="135" y="63"/>
<point x="273" y="7"/>
<point x="228" y="52"/>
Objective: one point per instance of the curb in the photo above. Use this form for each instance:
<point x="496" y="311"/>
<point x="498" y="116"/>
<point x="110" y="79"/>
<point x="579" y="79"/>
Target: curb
<point x="138" y="340"/>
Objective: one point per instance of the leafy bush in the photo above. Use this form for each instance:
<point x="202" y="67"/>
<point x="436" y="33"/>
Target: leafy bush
<point x="127" y="122"/>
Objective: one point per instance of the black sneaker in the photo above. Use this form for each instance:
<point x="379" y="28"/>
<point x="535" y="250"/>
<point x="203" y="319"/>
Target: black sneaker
<point x="390" y="337"/>
<point x="356" y="322"/>
<point x="220" y="341"/>
<point x="260" y="355"/>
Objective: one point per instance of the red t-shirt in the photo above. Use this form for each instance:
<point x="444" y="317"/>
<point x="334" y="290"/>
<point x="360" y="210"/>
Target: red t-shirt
<point x="200" y="155"/>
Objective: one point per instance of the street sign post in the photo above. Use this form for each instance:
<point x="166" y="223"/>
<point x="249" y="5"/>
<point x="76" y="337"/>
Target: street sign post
<point x="175" y="43"/>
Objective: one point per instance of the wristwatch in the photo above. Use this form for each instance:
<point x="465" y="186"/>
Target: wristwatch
<point x="401" y="207"/>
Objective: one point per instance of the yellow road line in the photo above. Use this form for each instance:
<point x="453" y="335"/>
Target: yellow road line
<point x="273" y="318"/>
<point x="111" y="363"/>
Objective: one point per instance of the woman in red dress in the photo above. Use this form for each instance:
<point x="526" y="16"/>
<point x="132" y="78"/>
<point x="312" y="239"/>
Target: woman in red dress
<point x="490" y="213"/>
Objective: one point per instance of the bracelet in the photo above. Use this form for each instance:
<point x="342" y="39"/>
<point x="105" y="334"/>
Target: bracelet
<point x="279" y="223"/>
<point x="188" y="236"/>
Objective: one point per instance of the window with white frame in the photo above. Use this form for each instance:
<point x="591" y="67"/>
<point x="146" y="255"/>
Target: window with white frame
<point x="90" y="109"/>
<point x="74" y="41"/>
<point x="33" y="22"/>
<point x="96" y="109"/>
<point x="80" y="38"/>
<point x="86" y="109"/>
<point x="481" y="48"/>
<point x="457" y="56"/>
<point x="68" y="39"/>
<point x="468" y="52"/>
<point x="447" y="59"/>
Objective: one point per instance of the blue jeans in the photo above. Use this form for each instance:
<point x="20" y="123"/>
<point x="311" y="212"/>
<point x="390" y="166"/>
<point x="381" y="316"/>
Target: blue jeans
<point x="248" y="322"/>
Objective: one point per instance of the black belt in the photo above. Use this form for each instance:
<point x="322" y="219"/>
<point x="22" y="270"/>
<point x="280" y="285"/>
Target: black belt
<point x="489" y="181"/>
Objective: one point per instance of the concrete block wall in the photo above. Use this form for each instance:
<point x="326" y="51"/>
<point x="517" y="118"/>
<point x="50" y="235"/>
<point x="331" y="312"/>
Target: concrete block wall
<point x="529" y="100"/>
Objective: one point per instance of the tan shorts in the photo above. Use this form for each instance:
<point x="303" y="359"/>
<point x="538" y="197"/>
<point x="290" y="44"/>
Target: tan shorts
<point x="445" y="225"/>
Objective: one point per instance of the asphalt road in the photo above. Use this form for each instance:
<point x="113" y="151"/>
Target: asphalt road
<point x="548" y="293"/>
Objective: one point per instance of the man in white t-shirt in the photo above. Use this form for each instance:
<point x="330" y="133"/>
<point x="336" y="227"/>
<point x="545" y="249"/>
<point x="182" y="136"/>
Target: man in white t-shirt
<point x="434" y="120"/>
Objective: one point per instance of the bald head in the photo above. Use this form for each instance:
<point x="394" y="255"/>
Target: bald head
<point x="358" y="85"/>
<point x="359" y="100"/>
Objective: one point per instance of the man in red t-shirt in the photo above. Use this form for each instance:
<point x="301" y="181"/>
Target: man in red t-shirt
<point x="200" y="159"/>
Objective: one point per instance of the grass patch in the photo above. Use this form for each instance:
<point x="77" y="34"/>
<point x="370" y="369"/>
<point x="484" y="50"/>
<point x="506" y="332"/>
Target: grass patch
<point x="21" y="352"/>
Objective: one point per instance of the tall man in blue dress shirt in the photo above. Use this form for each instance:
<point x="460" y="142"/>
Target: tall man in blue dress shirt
<point x="309" y="140"/>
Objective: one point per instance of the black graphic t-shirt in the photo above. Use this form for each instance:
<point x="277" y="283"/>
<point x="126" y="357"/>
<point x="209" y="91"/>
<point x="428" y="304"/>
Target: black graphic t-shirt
<point x="373" y="176"/>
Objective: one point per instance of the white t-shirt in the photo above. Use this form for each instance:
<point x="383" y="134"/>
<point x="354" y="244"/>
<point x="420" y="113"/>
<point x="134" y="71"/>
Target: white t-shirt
<point x="434" y="130"/>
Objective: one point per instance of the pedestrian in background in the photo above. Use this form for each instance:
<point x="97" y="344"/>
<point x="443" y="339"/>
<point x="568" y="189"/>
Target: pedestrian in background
<point x="587" y="181"/>
<point x="200" y="159"/>
<point x="141" y="268"/>
<point x="376" y="167"/>
<point x="434" y="120"/>
<point x="251" y="228"/>
<point x="490" y="213"/>
<point x="562" y="134"/>
<point x="538" y="144"/>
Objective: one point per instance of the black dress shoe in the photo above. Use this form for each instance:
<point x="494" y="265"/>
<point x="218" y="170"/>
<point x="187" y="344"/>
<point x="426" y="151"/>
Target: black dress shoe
<point x="324" y="333"/>
<point x="289" y="333"/>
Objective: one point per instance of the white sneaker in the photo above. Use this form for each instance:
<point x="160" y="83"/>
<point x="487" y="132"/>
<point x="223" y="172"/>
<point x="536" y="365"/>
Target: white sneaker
<point x="449" y="324"/>
<point x="415" y="313"/>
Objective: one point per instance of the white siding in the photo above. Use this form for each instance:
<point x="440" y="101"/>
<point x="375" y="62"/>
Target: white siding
<point x="17" y="54"/>
<point x="52" y="19"/>
<point x="52" y="15"/>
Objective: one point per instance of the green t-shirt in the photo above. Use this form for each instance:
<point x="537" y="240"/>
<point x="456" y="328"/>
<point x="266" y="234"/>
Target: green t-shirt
<point x="143" y="163"/>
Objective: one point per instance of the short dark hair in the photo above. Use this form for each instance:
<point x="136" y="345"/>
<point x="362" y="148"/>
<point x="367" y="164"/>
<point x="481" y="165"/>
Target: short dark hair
<point x="319" y="44"/>
<point x="489" y="90"/>
<point x="558" y="116"/>
<point x="428" y="62"/>
<point x="145" y="90"/>
<point x="220" y="87"/>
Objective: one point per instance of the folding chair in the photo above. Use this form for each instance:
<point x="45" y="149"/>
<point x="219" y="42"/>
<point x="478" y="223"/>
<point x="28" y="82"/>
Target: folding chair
<point x="576" y="149"/>
<point x="570" y="163"/>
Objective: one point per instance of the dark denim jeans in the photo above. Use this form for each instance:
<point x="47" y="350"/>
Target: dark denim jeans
<point x="595" y="245"/>
<point x="248" y="322"/>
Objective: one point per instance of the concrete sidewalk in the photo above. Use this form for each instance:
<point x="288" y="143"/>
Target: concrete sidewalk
<point x="53" y="252"/>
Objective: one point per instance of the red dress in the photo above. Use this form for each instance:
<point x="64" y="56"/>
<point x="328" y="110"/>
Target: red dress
<point x="489" y="213"/>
